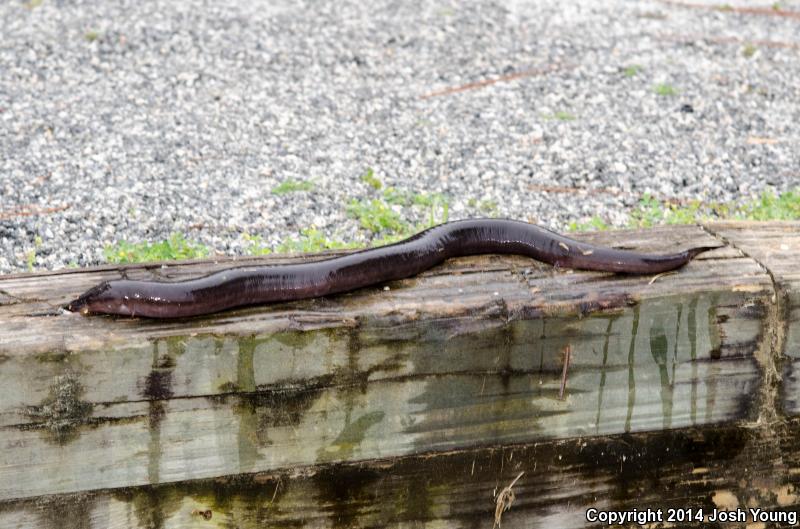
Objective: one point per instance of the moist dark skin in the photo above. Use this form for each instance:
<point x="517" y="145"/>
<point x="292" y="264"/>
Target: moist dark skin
<point x="237" y="287"/>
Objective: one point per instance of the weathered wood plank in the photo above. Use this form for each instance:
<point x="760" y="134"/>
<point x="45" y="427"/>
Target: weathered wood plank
<point x="481" y="292"/>
<point x="776" y="246"/>
<point x="467" y="354"/>
<point x="466" y="284"/>
<point x="706" y="468"/>
<point x="177" y="439"/>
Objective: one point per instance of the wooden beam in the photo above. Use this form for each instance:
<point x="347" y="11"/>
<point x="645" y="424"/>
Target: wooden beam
<point x="776" y="247"/>
<point x="706" y="468"/>
<point x="467" y="354"/>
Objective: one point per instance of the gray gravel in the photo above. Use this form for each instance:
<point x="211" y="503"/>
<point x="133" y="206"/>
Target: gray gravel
<point x="132" y="120"/>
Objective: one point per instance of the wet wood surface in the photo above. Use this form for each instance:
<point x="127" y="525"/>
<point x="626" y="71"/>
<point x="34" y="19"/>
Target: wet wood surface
<point x="714" y="467"/>
<point x="776" y="247"/>
<point x="469" y="354"/>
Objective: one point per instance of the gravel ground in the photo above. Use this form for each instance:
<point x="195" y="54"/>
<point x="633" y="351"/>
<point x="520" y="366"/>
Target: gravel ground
<point x="132" y="120"/>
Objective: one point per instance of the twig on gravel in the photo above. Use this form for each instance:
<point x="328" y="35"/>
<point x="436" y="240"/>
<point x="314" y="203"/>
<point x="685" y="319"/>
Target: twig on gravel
<point x="757" y="140"/>
<point x="768" y="11"/>
<point x="566" y="189"/>
<point x="29" y="211"/>
<point x="730" y="40"/>
<point x="502" y="79"/>
<point x="605" y="191"/>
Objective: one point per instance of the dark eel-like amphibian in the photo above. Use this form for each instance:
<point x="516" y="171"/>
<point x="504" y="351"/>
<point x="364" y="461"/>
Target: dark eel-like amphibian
<point x="237" y="287"/>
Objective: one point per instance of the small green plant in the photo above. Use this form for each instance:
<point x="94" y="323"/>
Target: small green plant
<point x="560" y="115"/>
<point x="309" y="240"/>
<point x="632" y="70"/>
<point x="749" y="50"/>
<point x="91" y="36"/>
<point x="173" y="249"/>
<point x="30" y="256"/>
<point x="665" y="90"/>
<point x="650" y="212"/>
<point x="692" y="212"/>
<point x="437" y="204"/>
<point x="375" y="215"/>
<point x="389" y="239"/>
<point x="593" y="224"/>
<point x="399" y="197"/>
<point x="767" y="206"/>
<point x="312" y="240"/>
<point x="291" y="186"/>
<point x="489" y="207"/>
<point x="777" y="6"/>
<point x="256" y="245"/>
<point x="381" y="218"/>
<point x="371" y="180"/>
